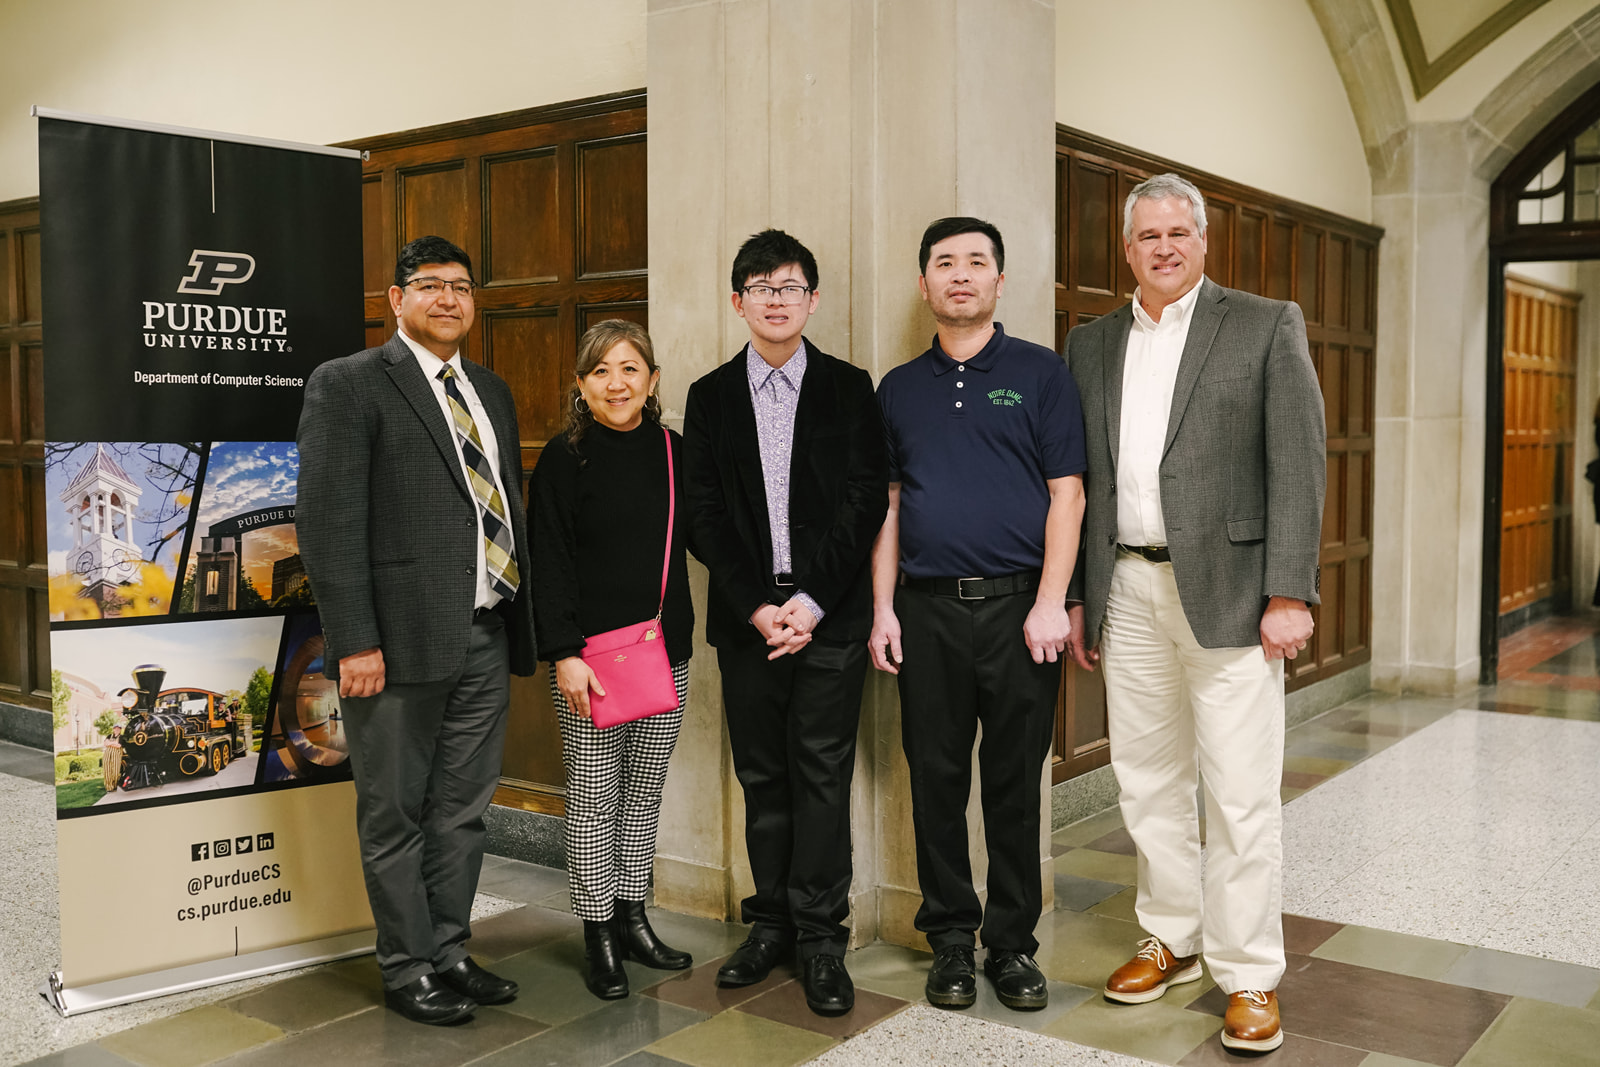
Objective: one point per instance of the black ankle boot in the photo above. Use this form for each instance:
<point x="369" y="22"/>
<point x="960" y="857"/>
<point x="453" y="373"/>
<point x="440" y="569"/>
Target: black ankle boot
<point x="602" y="950"/>
<point x="640" y="943"/>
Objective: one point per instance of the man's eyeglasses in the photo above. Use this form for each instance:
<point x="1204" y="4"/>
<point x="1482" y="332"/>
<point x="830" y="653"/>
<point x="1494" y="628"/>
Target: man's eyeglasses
<point x="764" y="294"/>
<point x="436" y="287"/>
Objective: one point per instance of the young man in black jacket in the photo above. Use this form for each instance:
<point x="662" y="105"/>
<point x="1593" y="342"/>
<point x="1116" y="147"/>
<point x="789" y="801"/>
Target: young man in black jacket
<point x="788" y="484"/>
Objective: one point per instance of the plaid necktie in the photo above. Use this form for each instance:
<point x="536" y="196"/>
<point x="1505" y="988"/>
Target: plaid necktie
<point x="499" y="550"/>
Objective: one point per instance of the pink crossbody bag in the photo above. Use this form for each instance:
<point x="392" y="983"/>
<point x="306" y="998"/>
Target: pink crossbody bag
<point x="631" y="661"/>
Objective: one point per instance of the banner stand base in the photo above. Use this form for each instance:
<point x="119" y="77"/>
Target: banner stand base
<point x="80" y="999"/>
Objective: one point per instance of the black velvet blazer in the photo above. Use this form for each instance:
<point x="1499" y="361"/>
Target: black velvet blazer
<point x="838" y="496"/>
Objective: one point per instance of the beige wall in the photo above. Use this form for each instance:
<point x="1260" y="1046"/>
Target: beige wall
<point x="302" y="70"/>
<point x="1245" y="89"/>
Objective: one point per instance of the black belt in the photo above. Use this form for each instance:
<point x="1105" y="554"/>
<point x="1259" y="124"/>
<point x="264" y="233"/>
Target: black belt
<point x="976" y="588"/>
<point x="783" y="581"/>
<point x="479" y="614"/>
<point x="1153" y="553"/>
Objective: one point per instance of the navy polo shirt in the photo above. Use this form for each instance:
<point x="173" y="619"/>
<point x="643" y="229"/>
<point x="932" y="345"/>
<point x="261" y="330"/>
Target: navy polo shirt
<point x="972" y="445"/>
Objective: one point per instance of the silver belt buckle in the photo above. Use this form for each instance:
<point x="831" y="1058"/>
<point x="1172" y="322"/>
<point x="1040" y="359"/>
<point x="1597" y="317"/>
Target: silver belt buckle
<point x="960" y="595"/>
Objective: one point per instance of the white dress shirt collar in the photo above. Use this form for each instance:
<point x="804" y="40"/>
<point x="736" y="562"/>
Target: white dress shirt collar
<point x="1174" y="313"/>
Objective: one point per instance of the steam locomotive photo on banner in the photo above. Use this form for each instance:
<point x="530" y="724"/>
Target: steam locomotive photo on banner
<point x="173" y="733"/>
<point x="153" y="741"/>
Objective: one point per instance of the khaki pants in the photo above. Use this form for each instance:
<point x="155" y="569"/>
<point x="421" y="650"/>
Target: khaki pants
<point x="1175" y="709"/>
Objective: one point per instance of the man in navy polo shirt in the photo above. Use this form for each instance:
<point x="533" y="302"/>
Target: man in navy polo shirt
<point x="969" y="582"/>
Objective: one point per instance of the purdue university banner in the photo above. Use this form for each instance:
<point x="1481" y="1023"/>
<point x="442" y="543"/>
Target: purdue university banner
<point x="205" y="811"/>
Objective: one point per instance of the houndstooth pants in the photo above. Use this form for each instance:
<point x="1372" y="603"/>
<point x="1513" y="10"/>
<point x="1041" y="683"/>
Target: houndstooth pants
<point x="614" y="782"/>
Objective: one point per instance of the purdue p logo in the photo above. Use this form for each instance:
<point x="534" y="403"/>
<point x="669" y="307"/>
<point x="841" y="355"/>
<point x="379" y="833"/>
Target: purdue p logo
<point x="213" y="270"/>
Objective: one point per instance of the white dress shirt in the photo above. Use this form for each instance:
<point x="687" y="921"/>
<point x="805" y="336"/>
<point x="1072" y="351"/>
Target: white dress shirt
<point x="431" y="365"/>
<point x="1149" y="374"/>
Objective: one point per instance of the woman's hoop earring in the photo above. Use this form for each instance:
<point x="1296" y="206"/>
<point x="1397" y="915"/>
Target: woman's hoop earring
<point x="580" y="405"/>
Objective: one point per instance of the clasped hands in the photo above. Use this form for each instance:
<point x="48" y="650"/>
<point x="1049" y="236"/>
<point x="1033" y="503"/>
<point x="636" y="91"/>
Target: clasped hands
<point x="786" y="627"/>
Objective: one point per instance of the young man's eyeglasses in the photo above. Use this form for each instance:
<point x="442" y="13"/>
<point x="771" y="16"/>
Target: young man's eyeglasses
<point x="430" y="286"/>
<point x="766" y="294"/>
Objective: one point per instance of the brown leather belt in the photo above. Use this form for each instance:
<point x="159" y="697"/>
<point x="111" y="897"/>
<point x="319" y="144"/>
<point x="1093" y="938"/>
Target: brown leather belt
<point x="1153" y="553"/>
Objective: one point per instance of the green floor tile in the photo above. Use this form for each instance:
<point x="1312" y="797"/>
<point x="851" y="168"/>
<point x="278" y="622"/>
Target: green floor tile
<point x="892" y="970"/>
<point x="1101" y="866"/>
<point x="1081" y="894"/>
<point x="1157" y="1031"/>
<point x="1383" y="1059"/>
<point x="306" y="1001"/>
<point x="1418" y="957"/>
<point x="1314" y="765"/>
<point x="1119" y="906"/>
<point x="735" y="1039"/>
<point x="704" y="939"/>
<point x="1286" y="794"/>
<point x="1083" y="831"/>
<point x="1533" y="1032"/>
<point x="199" y="1036"/>
<point x="1526" y="976"/>
<point x="1594" y="1004"/>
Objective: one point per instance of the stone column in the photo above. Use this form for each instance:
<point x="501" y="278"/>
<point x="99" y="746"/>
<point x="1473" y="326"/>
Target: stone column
<point x="1429" y="425"/>
<point x="851" y="124"/>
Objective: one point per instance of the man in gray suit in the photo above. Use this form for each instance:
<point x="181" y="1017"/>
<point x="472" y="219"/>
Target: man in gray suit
<point x="1205" y="436"/>
<point x="413" y="534"/>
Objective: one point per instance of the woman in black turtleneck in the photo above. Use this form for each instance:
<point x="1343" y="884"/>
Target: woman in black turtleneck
<point x="597" y="510"/>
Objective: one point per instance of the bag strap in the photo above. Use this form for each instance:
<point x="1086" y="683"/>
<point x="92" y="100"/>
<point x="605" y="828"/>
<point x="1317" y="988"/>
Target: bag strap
<point x="672" y="507"/>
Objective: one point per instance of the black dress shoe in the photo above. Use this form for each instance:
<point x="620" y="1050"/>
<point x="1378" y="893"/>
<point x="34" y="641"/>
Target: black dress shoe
<point x="953" y="978"/>
<point x="751" y="962"/>
<point x="602" y="951"/>
<point x="1017" y="980"/>
<point x="429" y="1000"/>
<point x="640" y="942"/>
<point x="829" y="990"/>
<point x="472" y="981"/>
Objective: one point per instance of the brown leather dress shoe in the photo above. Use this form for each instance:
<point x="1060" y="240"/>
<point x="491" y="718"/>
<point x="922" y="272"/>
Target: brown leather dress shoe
<point x="1252" y="1023"/>
<point x="1152" y="969"/>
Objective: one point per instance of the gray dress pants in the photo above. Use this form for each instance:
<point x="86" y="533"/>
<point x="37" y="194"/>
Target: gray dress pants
<point x="427" y="759"/>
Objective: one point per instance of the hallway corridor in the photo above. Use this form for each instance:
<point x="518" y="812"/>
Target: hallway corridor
<point x="1442" y="859"/>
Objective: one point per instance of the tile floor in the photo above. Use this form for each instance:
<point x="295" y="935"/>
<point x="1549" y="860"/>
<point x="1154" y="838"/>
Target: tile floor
<point x="1441" y="859"/>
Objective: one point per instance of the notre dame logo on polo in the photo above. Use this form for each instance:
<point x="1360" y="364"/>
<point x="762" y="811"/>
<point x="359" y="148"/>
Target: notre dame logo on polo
<point x="213" y="270"/>
<point x="1005" y="398"/>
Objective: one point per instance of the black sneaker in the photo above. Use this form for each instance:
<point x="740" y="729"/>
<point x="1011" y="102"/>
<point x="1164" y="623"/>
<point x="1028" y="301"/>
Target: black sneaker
<point x="1017" y="980"/>
<point x="952" y="980"/>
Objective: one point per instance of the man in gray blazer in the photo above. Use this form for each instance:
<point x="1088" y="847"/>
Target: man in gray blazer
<point x="1198" y="564"/>
<point x="413" y="535"/>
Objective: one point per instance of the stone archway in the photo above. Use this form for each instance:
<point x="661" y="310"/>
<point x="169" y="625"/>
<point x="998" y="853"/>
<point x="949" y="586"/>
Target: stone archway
<point x="1430" y="193"/>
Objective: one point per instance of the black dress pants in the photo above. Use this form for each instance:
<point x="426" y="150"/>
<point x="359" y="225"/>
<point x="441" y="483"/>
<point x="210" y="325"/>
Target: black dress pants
<point x="792" y="726"/>
<point x="966" y="663"/>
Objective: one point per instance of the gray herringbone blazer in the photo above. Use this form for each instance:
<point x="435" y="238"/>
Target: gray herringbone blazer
<point x="1244" y="470"/>
<point x="387" y="525"/>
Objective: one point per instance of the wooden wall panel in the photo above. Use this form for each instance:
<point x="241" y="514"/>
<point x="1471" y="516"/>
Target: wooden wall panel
<point x="1267" y="245"/>
<point x="433" y="200"/>
<point x="550" y="205"/>
<point x="611" y="207"/>
<point x="31" y="274"/>
<point x="24" y="615"/>
<point x="514" y="344"/>
<point x="523" y="242"/>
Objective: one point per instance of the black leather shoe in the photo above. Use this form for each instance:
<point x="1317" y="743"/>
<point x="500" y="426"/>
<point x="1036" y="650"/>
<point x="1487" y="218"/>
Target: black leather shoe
<point x="429" y="1000"/>
<point x="1017" y="980"/>
<point x="602" y="951"/>
<point x="829" y="990"/>
<point x="475" y="983"/>
<point x="953" y="978"/>
<point x="640" y="942"/>
<point x="751" y="962"/>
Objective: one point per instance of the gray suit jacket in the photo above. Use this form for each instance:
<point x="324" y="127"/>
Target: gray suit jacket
<point x="387" y="525"/>
<point x="1243" y="473"/>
